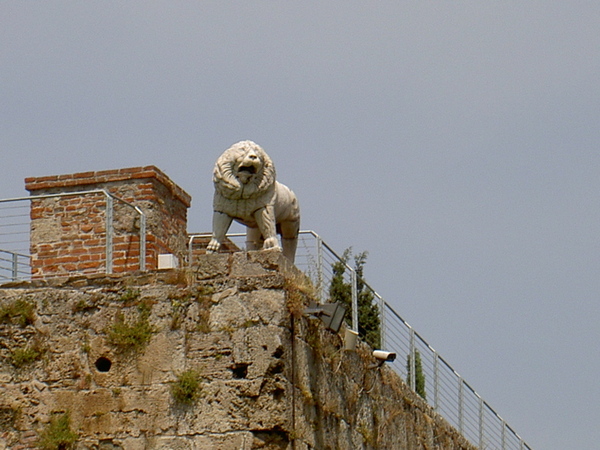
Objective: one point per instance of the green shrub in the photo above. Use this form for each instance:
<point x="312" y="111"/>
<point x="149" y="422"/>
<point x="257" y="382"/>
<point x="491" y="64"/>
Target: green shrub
<point x="82" y="306"/>
<point x="420" y="376"/>
<point x="58" y="434"/>
<point x="186" y="389"/>
<point x="20" y="312"/>
<point x="130" y="296"/>
<point x="299" y="292"/>
<point x="128" y="337"/>
<point x="22" y="356"/>
<point x="369" y="326"/>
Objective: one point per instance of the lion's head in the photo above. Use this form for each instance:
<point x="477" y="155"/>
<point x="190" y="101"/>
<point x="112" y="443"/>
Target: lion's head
<point x="244" y="171"/>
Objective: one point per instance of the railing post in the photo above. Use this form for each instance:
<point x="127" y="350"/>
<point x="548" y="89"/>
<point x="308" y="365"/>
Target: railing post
<point x="320" y="281"/>
<point x="190" y="252"/>
<point x="354" y="300"/>
<point x="15" y="267"/>
<point x="460" y="404"/>
<point x="382" y="327"/>
<point x="413" y="366"/>
<point x="109" y="233"/>
<point x="436" y="376"/>
<point x="481" y="422"/>
<point x="142" y="241"/>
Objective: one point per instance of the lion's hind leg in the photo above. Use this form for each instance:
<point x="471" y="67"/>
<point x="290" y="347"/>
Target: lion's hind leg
<point x="265" y="219"/>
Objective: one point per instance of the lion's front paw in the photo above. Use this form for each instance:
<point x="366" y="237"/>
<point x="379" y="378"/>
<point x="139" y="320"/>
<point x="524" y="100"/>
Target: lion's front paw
<point x="271" y="243"/>
<point x="213" y="246"/>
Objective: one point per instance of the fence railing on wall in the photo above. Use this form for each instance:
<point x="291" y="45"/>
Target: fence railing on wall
<point x="444" y="389"/>
<point x="14" y="266"/>
<point x="15" y="231"/>
<point x="14" y="241"/>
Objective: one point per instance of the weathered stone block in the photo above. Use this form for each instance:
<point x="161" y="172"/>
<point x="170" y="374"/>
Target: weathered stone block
<point x="257" y="263"/>
<point x="212" y="266"/>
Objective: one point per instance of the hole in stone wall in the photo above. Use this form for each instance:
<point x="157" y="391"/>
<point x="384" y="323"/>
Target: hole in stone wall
<point x="278" y="393"/>
<point x="275" y="438"/>
<point x="103" y="364"/>
<point x="240" y="370"/>
<point x="108" y="444"/>
<point x="276" y="368"/>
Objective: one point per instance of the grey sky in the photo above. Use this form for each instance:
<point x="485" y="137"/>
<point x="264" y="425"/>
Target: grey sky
<point x="457" y="142"/>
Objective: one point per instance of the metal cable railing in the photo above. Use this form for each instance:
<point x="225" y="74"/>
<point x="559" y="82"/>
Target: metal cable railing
<point x="16" y="229"/>
<point x="14" y="241"/>
<point x="444" y="389"/>
<point x="14" y="266"/>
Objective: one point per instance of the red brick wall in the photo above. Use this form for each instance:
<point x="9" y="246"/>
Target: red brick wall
<point x="68" y="233"/>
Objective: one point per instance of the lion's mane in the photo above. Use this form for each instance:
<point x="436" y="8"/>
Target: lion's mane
<point x="235" y="198"/>
<point x="246" y="191"/>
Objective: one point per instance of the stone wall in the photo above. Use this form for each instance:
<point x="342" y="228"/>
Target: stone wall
<point x="269" y="377"/>
<point x="68" y="233"/>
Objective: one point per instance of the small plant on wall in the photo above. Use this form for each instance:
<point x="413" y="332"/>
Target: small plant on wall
<point x="27" y="354"/>
<point x="420" y="376"/>
<point x="299" y="292"/>
<point x="369" y="326"/>
<point x="58" y="434"/>
<point x="130" y="296"/>
<point x="20" y="312"/>
<point x="23" y="356"/>
<point x="187" y="388"/>
<point x="129" y="337"/>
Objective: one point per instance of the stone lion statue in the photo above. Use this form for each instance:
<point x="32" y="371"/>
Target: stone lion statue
<point x="246" y="191"/>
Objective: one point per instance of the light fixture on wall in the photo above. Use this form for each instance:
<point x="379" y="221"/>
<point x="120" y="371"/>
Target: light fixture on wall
<point x="350" y="338"/>
<point x="331" y="314"/>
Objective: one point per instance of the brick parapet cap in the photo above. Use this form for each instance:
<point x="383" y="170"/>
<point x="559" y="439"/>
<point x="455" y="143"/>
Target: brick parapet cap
<point x="88" y="179"/>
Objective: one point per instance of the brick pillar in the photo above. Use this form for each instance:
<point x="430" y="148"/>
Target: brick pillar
<point x="68" y="233"/>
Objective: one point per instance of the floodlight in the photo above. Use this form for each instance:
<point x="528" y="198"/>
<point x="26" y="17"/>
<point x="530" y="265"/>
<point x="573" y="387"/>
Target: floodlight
<point x="331" y="314"/>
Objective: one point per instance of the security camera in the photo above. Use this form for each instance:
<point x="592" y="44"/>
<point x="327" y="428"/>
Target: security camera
<point x="384" y="356"/>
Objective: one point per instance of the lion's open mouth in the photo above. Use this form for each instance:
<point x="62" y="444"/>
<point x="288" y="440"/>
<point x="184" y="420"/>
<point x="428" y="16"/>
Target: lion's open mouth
<point x="247" y="169"/>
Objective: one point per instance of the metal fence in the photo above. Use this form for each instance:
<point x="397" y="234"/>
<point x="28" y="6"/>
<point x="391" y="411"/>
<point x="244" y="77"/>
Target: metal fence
<point x="15" y="231"/>
<point x="14" y="241"/>
<point x="14" y="266"/>
<point x="444" y="389"/>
